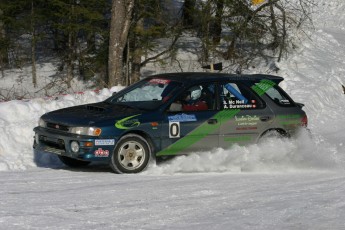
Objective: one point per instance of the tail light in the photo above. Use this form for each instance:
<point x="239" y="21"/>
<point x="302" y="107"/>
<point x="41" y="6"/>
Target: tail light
<point x="304" y="121"/>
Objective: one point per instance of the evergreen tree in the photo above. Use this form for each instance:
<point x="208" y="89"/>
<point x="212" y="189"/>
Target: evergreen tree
<point x="76" y="25"/>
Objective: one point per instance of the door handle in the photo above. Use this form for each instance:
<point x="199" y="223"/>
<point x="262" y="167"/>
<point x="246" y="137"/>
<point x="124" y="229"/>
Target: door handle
<point x="212" y="121"/>
<point x="265" y="118"/>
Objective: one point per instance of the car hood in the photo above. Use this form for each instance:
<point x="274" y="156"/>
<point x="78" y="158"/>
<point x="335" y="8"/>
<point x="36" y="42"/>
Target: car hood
<point x="90" y="114"/>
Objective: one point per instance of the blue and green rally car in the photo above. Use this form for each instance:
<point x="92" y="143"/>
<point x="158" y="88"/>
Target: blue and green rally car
<point x="167" y="115"/>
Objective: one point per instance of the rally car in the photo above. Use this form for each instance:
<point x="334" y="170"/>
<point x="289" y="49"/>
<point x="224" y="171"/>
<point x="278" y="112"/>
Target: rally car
<point x="168" y="115"/>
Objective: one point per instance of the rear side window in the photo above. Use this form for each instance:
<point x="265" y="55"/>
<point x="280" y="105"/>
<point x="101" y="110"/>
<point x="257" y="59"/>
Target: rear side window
<point x="274" y="92"/>
<point x="235" y="95"/>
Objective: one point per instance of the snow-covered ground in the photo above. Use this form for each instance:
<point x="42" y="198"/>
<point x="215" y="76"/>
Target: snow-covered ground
<point x="296" y="184"/>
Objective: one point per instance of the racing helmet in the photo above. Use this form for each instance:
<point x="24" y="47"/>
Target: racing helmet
<point x="195" y="92"/>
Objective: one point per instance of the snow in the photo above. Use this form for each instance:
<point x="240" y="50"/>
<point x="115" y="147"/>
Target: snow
<point x="96" y="199"/>
<point x="295" y="184"/>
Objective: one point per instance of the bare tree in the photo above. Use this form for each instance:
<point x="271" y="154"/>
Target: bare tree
<point x="188" y="11"/>
<point x="217" y="26"/>
<point x="33" y="45"/>
<point x="265" y="31"/>
<point x="121" y="16"/>
<point x="2" y="48"/>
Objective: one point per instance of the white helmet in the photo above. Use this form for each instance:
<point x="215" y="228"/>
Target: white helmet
<point x="195" y="92"/>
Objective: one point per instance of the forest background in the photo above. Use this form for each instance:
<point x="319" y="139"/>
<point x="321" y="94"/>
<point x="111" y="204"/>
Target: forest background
<point x="109" y="42"/>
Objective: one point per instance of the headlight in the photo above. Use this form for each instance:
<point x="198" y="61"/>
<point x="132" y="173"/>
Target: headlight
<point x="89" y="131"/>
<point x="42" y="123"/>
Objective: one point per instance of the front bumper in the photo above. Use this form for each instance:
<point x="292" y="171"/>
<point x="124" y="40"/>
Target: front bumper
<point x="57" y="142"/>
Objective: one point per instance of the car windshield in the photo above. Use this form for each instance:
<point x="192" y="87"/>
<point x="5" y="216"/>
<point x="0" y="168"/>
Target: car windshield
<point x="148" y="94"/>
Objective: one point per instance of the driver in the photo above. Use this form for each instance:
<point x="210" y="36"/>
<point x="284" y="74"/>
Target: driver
<point x="192" y="100"/>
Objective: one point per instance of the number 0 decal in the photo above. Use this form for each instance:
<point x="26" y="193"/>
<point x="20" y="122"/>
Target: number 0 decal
<point x="174" y="129"/>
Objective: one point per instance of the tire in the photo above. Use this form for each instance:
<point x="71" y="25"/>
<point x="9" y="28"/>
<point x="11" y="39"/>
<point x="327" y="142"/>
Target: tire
<point x="131" y="155"/>
<point x="73" y="163"/>
<point x="269" y="134"/>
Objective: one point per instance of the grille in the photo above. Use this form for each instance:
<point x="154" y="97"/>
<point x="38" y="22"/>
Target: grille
<point x="57" y="127"/>
<point x="50" y="149"/>
<point x="56" y="144"/>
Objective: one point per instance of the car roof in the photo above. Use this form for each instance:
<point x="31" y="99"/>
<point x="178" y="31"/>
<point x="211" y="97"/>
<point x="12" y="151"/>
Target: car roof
<point x="201" y="76"/>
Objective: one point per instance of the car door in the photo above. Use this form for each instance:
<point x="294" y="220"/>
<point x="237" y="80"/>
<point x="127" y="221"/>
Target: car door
<point x="244" y="115"/>
<point x="186" y="129"/>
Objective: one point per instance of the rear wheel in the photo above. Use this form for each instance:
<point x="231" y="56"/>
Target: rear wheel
<point x="73" y="163"/>
<point x="274" y="133"/>
<point x="131" y="155"/>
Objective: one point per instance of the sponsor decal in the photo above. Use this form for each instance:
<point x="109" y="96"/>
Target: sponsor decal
<point x="101" y="153"/>
<point x="246" y="123"/>
<point x="160" y="81"/>
<point x="174" y="129"/>
<point x="236" y="102"/>
<point x="182" y="118"/>
<point x="105" y="142"/>
<point x="239" y="104"/>
<point x="128" y="122"/>
<point x="246" y="128"/>
<point x="285" y="102"/>
<point x="249" y="106"/>
<point x="247" y="120"/>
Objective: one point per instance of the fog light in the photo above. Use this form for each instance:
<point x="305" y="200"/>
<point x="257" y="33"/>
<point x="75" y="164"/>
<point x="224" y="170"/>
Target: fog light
<point x="75" y="146"/>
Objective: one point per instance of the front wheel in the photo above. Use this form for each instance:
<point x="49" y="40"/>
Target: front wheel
<point x="131" y="154"/>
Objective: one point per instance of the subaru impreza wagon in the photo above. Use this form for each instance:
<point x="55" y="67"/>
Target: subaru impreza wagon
<point x="167" y="115"/>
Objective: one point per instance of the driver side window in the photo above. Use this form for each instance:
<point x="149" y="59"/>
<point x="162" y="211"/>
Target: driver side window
<point x="199" y="97"/>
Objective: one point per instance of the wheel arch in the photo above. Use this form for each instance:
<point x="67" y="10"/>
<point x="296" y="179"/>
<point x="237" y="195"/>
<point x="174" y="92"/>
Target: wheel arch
<point x="280" y="131"/>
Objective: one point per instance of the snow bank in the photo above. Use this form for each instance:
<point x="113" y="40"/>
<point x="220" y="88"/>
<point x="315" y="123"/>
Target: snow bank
<point x="18" y="118"/>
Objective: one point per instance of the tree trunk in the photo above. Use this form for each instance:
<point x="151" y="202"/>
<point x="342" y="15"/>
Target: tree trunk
<point x="188" y="13"/>
<point x="217" y="27"/>
<point x="205" y="19"/>
<point x="2" y="50"/>
<point x="121" y="16"/>
<point x="136" y="53"/>
<point x="71" y="50"/>
<point x="33" y="47"/>
<point x="69" y="71"/>
<point x="282" y="42"/>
